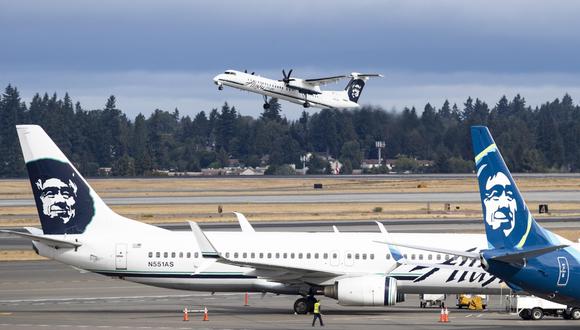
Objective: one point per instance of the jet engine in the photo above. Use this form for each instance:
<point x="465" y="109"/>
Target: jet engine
<point x="364" y="291"/>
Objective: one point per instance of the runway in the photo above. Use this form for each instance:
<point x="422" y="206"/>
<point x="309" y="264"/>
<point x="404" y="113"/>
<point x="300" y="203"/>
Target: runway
<point x="46" y="294"/>
<point x="393" y="225"/>
<point x="427" y="197"/>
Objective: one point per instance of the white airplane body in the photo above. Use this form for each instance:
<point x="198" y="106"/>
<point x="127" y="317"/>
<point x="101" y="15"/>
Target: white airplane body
<point x="80" y="230"/>
<point x="305" y="92"/>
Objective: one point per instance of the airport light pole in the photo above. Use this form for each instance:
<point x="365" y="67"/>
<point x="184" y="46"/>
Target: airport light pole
<point x="379" y="145"/>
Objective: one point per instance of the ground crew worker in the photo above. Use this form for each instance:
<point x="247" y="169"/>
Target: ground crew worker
<point x="317" y="314"/>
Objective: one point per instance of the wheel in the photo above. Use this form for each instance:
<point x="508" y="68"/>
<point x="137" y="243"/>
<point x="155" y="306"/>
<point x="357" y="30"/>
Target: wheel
<point x="266" y="106"/>
<point x="306" y="104"/>
<point x="536" y="314"/>
<point x="221" y="87"/>
<point x="421" y="305"/>
<point x="575" y="314"/>
<point x="301" y="306"/>
<point x="525" y="314"/>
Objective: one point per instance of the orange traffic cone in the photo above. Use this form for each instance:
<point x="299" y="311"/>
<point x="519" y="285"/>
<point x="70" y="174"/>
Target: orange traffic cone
<point x="446" y="315"/>
<point x="205" y="317"/>
<point x="246" y="300"/>
<point x="185" y="314"/>
<point x="442" y="316"/>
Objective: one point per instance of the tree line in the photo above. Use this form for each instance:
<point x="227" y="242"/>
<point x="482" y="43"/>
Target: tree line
<point x="532" y="139"/>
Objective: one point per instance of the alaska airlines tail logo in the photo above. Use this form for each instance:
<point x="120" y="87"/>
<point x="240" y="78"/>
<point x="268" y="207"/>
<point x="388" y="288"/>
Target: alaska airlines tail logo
<point x="62" y="199"/>
<point x="355" y="89"/>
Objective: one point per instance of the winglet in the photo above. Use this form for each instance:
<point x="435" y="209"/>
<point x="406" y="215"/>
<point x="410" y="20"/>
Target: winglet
<point x="397" y="255"/>
<point x="207" y="249"/>
<point x="244" y="223"/>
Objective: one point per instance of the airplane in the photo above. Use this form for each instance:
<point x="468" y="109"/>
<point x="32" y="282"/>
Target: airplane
<point x="80" y="230"/>
<point x="528" y="257"/>
<point x="306" y="92"/>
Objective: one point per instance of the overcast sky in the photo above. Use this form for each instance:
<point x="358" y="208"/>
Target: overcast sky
<point x="164" y="54"/>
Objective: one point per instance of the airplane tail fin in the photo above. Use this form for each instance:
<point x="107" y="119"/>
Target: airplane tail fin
<point x="509" y="223"/>
<point x="356" y="84"/>
<point x="65" y="202"/>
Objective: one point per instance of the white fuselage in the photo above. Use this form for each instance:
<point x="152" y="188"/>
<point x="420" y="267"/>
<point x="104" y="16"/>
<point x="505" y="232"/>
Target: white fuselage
<point x="173" y="260"/>
<point x="278" y="89"/>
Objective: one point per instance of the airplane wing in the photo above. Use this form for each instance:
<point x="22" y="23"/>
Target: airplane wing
<point x="324" y="81"/>
<point x="304" y="90"/>
<point x="50" y="241"/>
<point x="264" y="270"/>
<point x="466" y="254"/>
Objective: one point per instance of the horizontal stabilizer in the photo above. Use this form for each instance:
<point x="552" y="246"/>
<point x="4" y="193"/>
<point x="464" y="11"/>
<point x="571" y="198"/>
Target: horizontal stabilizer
<point x="516" y="257"/>
<point x="472" y="255"/>
<point x="50" y="241"/>
<point x="207" y="249"/>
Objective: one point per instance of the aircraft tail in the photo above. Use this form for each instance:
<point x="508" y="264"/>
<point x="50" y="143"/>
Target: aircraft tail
<point x="509" y="223"/>
<point x="356" y="84"/>
<point x="65" y="202"/>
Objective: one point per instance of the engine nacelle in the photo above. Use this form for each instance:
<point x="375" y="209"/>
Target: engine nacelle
<point x="364" y="291"/>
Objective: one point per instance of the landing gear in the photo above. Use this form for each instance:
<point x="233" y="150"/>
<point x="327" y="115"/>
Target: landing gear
<point x="304" y="305"/>
<point x="266" y="104"/>
<point x="306" y="104"/>
<point x="220" y="87"/>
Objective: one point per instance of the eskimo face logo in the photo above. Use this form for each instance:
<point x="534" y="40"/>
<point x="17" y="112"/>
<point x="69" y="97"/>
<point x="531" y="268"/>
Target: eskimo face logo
<point x="62" y="198"/>
<point x="499" y="203"/>
<point x="355" y="90"/>
<point x="58" y="198"/>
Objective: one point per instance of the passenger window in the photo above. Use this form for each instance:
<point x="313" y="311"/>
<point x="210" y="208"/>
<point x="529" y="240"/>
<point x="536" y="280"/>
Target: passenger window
<point x="388" y="256"/>
<point x="446" y="257"/>
<point x="269" y="255"/>
<point x="292" y="255"/>
<point x="316" y="256"/>
<point x="235" y="254"/>
<point x="413" y="256"/>
<point x="261" y="255"/>
<point x="356" y="256"/>
<point x="349" y="256"/>
<point x="372" y="256"/>
<point x="438" y="257"/>
<point x="325" y="256"/>
<point x="285" y="255"/>
<point x="405" y="255"/>
<point x="252" y="255"/>
<point x="196" y="255"/>
<point x="188" y="254"/>
<point x="429" y="257"/>
<point x="244" y="255"/>
<point x="277" y="255"/>
<point x="165" y="254"/>
<point x="150" y="254"/>
<point x="172" y="254"/>
<point x="227" y="254"/>
<point x="334" y="256"/>
<point x="181" y="254"/>
<point x="307" y="255"/>
<point x="420" y="257"/>
<point x="299" y="255"/>
<point x="158" y="254"/>
<point x="364" y="256"/>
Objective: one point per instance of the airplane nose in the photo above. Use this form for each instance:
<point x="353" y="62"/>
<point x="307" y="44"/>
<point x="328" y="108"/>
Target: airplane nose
<point x="216" y="80"/>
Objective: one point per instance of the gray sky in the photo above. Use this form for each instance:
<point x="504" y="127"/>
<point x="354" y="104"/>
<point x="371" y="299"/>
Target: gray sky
<point x="163" y="54"/>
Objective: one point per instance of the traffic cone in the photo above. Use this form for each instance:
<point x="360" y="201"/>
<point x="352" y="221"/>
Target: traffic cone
<point x="185" y="314"/>
<point x="442" y="316"/>
<point x="446" y="315"/>
<point x="205" y="317"/>
<point x="246" y="300"/>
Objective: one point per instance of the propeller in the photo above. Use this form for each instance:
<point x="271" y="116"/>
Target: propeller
<point x="287" y="79"/>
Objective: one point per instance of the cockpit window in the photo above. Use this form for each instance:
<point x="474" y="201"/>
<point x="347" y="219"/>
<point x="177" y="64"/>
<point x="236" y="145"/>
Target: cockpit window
<point x="230" y="72"/>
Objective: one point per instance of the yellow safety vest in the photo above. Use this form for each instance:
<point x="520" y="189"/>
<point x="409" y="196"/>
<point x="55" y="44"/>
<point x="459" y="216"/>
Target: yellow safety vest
<point x="316" y="308"/>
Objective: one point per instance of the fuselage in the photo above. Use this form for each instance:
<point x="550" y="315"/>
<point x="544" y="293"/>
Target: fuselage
<point x="173" y="260"/>
<point x="278" y="89"/>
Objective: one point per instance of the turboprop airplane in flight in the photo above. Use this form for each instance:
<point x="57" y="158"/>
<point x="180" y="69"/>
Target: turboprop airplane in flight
<point x="80" y="230"/>
<point x="306" y="92"/>
<point x="528" y="257"/>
